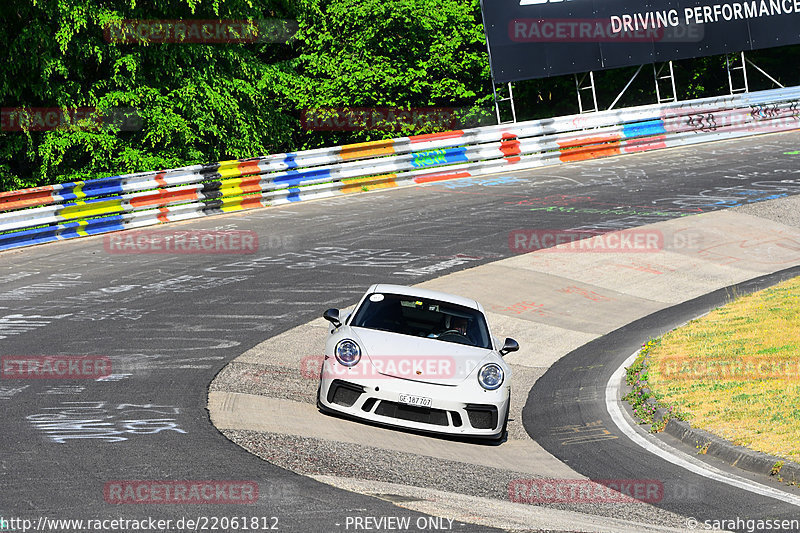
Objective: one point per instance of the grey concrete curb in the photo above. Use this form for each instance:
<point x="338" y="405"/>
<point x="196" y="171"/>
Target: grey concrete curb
<point x="738" y="456"/>
<point x="733" y="454"/>
<point x="700" y="439"/>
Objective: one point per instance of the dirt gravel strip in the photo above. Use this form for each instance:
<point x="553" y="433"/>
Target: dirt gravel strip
<point x="551" y="301"/>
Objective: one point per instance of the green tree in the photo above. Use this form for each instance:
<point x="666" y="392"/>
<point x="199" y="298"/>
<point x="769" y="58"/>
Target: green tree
<point x="388" y="53"/>
<point x="196" y="102"/>
<point x="207" y="102"/>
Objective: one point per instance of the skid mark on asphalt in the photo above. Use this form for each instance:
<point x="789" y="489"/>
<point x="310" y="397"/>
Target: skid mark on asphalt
<point x="583" y="434"/>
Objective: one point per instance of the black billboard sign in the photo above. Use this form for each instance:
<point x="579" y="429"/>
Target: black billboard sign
<point x="542" y="38"/>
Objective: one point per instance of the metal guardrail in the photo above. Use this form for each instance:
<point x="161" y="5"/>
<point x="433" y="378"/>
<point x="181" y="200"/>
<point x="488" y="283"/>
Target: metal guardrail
<point x="69" y="210"/>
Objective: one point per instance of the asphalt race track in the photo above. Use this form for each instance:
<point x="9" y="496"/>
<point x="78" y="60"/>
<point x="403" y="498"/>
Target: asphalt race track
<point x="564" y="397"/>
<point x="170" y="322"/>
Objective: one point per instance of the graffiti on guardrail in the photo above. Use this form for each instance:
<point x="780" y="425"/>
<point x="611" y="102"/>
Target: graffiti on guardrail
<point x="72" y="210"/>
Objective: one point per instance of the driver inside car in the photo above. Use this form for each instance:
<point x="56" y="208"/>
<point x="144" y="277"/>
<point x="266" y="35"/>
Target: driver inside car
<point x="453" y="324"/>
<point x="458" y="324"/>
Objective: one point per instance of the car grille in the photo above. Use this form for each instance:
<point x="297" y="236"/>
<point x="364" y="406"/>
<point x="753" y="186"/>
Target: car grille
<point x="347" y="394"/>
<point x="344" y="393"/>
<point x="423" y="415"/>
<point x="482" y="416"/>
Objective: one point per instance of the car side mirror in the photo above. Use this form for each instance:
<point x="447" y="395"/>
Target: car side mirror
<point x="510" y="345"/>
<point x="332" y="316"/>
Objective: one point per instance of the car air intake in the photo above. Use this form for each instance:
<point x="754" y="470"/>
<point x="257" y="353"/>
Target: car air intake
<point x="482" y="416"/>
<point x="423" y="415"/>
<point x="344" y="393"/>
<point x="369" y="404"/>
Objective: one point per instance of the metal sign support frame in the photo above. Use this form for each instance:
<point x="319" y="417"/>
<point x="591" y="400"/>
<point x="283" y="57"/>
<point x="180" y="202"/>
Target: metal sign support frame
<point x="630" y="81"/>
<point x="498" y="100"/>
<point x="743" y="62"/>
<point x="581" y="88"/>
<point x="729" y="69"/>
<point x="659" y="77"/>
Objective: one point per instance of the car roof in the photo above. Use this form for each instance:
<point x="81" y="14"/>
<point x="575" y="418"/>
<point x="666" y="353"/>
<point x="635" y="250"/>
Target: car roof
<point x="426" y="293"/>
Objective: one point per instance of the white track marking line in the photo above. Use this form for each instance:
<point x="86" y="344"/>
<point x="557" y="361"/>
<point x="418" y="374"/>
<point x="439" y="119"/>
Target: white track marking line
<point x="676" y="457"/>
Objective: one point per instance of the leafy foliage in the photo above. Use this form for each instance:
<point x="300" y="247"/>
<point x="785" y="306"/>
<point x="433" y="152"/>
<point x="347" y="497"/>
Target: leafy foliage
<point x="204" y="102"/>
<point x="196" y="102"/>
<point x="396" y="54"/>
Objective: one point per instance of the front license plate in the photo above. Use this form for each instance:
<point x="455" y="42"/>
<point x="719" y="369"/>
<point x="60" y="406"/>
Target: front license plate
<point x="419" y="401"/>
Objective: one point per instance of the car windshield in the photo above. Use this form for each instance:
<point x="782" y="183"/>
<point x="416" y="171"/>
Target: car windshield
<point x="422" y="317"/>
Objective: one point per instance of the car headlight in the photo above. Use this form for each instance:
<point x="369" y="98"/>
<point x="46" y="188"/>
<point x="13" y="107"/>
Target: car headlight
<point x="491" y="376"/>
<point x="347" y="353"/>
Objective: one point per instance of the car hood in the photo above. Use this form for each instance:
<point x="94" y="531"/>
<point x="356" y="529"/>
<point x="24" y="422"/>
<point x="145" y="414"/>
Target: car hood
<point x="419" y="358"/>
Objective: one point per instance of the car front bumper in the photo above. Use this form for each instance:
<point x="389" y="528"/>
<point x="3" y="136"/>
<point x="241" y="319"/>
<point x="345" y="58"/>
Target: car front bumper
<point x="466" y="409"/>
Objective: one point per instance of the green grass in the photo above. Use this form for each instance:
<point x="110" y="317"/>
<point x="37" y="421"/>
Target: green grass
<point x="757" y="408"/>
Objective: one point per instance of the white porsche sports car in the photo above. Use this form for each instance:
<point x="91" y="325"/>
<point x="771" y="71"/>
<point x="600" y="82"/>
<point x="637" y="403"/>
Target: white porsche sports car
<point x="417" y="359"/>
